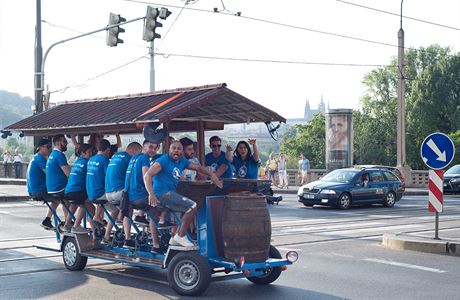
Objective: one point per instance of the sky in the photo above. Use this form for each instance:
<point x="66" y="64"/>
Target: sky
<point x="79" y="69"/>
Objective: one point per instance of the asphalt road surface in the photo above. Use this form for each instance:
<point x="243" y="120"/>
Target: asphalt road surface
<point x="341" y="257"/>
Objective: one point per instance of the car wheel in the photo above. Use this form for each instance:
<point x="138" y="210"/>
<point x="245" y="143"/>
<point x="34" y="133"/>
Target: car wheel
<point x="308" y="205"/>
<point x="271" y="274"/>
<point x="344" y="201"/>
<point x="390" y="199"/>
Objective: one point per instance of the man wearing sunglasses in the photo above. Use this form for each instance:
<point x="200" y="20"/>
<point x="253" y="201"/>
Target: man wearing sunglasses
<point x="216" y="161"/>
<point x="36" y="178"/>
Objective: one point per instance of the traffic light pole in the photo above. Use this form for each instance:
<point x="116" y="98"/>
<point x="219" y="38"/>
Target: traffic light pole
<point x="41" y="75"/>
<point x="152" y="67"/>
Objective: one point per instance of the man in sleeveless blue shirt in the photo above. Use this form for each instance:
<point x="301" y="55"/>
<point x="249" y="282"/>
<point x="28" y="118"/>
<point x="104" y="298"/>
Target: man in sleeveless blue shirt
<point x="165" y="173"/>
<point x="115" y="181"/>
<point x="217" y="160"/>
<point x="36" y="178"/>
<point x="137" y="192"/>
<point x="95" y="177"/>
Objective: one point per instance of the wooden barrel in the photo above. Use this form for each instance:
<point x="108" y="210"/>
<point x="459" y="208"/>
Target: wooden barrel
<point x="246" y="227"/>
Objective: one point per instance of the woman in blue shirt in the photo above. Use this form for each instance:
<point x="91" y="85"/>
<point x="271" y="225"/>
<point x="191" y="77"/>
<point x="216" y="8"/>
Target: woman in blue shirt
<point x="244" y="161"/>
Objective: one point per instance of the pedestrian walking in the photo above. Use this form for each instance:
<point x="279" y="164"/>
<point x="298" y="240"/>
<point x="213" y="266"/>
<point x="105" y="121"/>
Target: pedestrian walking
<point x="304" y="167"/>
<point x="17" y="161"/>
<point x="282" y="171"/>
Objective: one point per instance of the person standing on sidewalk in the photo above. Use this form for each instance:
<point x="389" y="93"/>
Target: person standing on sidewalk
<point x="17" y="160"/>
<point x="272" y="168"/>
<point x="6" y="161"/>
<point x="282" y="162"/>
<point x="304" y="167"/>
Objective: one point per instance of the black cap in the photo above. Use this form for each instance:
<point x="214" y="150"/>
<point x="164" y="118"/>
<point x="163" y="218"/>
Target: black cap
<point x="42" y="142"/>
<point x="154" y="135"/>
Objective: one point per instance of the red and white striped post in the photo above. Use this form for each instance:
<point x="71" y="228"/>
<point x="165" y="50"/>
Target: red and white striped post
<point x="435" y="196"/>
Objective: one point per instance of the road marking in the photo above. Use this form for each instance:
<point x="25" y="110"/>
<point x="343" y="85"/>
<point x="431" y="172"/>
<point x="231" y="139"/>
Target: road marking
<point x="404" y="265"/>
<point x="332" y="227"/>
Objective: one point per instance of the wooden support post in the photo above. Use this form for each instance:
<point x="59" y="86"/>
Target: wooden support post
<point x="200" y="142"/>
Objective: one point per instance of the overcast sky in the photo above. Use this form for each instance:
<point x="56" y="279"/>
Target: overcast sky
<point x="281" y="87"/>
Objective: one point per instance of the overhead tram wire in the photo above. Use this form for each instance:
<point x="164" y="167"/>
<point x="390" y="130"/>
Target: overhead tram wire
<point x="167" y="55"/>
<point x="398" y="15"/>
<point x="82" y="84"/>
<point x="170" y="27"/>
<point x="272" y="22"/>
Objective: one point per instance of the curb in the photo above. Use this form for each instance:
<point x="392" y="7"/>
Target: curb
<point x="13" y="198"/>
<point x="403" y="241"/>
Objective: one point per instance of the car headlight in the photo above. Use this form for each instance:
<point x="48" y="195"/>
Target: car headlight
<point x="300" y="191"/>
<point x="455" y="180"/>
<point x="328" y="192"/>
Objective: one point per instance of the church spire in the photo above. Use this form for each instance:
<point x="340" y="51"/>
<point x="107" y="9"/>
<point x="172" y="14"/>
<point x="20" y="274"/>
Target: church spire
<point x="307" y="109"/>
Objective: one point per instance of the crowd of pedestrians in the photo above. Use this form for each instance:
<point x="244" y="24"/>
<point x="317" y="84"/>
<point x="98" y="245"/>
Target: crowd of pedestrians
<point x="275" y="170"/>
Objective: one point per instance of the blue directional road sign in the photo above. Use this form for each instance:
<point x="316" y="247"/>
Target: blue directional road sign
<point x="437" y="151"/>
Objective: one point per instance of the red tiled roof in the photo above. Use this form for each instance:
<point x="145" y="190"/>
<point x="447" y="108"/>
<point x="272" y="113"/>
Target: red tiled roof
<point x="211" y="103"/>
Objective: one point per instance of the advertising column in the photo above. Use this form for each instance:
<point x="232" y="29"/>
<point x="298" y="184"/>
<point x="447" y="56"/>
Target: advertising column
<point x="339" y="139"/>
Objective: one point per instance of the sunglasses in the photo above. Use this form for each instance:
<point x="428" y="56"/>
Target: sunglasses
<point x="216" y="146"/>
<point x="48" y="146"/>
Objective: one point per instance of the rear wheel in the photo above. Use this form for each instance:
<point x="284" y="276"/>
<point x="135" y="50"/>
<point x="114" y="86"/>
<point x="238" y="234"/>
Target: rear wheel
<point x="271" y="273"/>
<point x="390" y="199"/>
<point x="344" y="201"/>
<point x="73" y="261"/>
<point x="189" y="273"/>
<point x="308" y="205"/>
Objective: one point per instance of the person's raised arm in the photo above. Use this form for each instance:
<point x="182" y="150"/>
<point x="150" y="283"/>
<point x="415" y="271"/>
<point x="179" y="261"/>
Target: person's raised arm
<point x="74" y="140"/>
<point x="229" y="153"/>
<point x="255" y="148"/>
<point x="148" y="175"/>
<point x="118" y="139"/>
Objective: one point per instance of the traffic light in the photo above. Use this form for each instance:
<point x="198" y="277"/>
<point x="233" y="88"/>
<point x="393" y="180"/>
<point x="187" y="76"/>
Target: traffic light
<point x="151" y="24"/>
<point x="164" y="13"/>
<point x="112" y="33"/>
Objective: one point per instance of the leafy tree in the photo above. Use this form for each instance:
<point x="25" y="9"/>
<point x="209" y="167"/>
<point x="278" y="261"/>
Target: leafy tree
<point x="432" y="104"/>
<point x="455" y="137"/>
<point x="310" y="140"/>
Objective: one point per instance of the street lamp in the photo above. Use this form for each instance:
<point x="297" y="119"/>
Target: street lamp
<point x="401" y="127"/>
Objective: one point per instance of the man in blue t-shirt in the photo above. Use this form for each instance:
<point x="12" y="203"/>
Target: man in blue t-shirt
<point x="95" y="177"/>
<point x="217" y="161"/>
<point x="165" y="173"/>
<point x="57" y="169"/>
<point x="115" y="181"/>
<point x="36" y="178"/>
<point x="137" y="192"/>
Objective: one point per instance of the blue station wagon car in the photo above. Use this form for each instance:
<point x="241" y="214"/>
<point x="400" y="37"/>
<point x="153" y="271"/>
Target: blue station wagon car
<point x="353" y="186"/>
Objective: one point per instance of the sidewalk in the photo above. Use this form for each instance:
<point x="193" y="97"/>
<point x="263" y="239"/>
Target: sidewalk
<point x="424" y="242"/>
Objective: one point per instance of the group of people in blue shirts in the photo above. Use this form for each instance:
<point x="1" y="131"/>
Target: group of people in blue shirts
<point x="138" y="178"/>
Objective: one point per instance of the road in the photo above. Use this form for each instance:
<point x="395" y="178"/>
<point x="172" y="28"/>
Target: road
<point x="340" y="258"/>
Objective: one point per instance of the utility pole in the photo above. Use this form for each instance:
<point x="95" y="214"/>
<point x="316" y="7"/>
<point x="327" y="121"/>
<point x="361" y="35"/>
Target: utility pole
<point x="38" y="92"/>
<point x="152" y="67"/>
<point x="401" y="127"/>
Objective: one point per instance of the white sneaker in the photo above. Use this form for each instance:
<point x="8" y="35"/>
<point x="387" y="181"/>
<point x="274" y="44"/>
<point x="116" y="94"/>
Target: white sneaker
<point x="183" y="241"/>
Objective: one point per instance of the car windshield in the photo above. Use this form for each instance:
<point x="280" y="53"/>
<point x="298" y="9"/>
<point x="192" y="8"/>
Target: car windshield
<point x="454" y="170"/>
<point x="344" y="176"/>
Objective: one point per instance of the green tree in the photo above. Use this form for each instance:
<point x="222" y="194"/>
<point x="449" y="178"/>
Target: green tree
<point x="432" y="104"/>
<point x="455" y="137"/>
<point x="310" y="140"/>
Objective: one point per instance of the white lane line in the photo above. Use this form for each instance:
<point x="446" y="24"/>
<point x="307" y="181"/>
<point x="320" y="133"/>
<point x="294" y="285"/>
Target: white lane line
<point x="404" y="265"/>
<point x="333" y="228"/>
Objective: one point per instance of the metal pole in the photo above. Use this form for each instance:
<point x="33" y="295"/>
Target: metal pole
<point x="436" y="226"/>
<point x="401" y="127"/>
<point x="38" y="62"/>
<point x="152" y="67"/>
<point x="42" y="70"/>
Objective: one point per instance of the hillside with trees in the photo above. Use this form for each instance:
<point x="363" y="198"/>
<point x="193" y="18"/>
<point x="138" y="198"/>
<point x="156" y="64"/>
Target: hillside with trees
<point x="13" y="108"/>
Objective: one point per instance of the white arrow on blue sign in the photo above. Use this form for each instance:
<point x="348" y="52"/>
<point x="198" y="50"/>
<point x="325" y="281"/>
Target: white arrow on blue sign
<point x="437" y="151"/>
